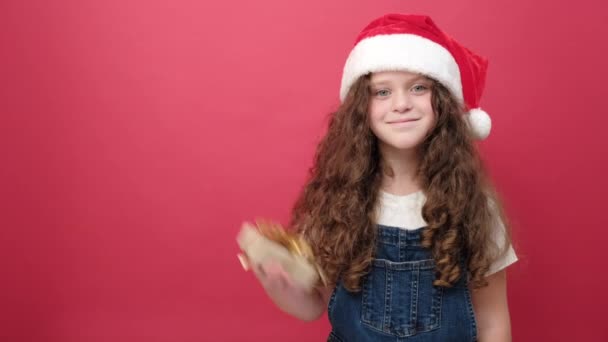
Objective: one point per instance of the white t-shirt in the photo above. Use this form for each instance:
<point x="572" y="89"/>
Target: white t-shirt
<point x="406" y="212"/>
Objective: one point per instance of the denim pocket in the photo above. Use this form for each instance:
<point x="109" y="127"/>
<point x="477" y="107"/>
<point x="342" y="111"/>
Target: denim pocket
<point x="399" y="299"/>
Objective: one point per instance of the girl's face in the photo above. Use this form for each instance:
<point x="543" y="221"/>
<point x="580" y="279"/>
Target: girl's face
<point x="400" y="109"/>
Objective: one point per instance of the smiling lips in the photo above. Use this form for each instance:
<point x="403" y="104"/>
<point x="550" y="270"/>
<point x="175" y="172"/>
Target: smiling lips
<point x="402" y="121"/>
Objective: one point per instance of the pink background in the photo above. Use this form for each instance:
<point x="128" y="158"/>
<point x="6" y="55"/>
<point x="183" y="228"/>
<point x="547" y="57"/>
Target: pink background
<point x="136" y="136"/>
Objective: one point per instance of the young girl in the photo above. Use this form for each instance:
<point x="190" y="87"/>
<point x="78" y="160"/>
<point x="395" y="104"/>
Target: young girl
<point x="397" y="210"/>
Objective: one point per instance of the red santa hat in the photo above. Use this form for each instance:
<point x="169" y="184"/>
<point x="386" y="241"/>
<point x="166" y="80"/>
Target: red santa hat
<point x="414" y="43"/>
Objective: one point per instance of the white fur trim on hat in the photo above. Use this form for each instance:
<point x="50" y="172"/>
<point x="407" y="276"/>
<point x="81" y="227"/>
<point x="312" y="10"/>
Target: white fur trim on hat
<point x="407" y="52"/>
<point x="479" y="122"/>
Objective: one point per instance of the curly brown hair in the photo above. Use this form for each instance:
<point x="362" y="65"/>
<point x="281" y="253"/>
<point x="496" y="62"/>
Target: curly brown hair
<point x="336" y="211"/>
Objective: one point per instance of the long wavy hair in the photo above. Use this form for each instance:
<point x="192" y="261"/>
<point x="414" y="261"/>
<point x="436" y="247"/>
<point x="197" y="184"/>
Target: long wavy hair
<point x="336" y="211"/>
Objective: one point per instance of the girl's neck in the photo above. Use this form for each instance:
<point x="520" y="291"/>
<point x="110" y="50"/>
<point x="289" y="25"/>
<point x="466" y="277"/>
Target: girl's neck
<point x="402" y="179"/>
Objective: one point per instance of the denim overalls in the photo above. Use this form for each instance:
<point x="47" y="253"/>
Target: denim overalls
<point x="398" y="301"/>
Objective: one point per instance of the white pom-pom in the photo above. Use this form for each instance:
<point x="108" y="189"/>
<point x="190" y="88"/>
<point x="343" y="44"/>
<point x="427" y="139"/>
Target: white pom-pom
<point x="479" y="123"/>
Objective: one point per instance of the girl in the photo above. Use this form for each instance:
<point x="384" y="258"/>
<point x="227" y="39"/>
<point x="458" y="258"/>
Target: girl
<point x="398" y="211"/>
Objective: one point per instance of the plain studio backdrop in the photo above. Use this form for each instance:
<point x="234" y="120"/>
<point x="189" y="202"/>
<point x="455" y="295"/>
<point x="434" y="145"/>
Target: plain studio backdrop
<point x="136" y="136"/>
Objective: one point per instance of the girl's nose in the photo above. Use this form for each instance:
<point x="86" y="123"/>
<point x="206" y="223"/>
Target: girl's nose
<point x="401" y="102"/>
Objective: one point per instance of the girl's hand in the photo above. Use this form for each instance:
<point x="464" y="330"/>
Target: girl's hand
<point x="296" y="298"/>
<point x="274" y="264"/>
<point x="273" y="278"/>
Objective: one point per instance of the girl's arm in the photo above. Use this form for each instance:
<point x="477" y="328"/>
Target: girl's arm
<point x="492" y="309"/>
<point x="304" y="304"/>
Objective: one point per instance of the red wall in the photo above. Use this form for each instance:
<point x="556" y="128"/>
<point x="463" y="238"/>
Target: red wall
<point x="136" y="136"/>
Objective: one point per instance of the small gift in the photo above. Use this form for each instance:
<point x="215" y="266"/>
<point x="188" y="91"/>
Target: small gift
<point x="270" y="241"/>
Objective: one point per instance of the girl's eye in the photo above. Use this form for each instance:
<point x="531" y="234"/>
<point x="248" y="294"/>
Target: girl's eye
<point x="383" y="92"/>
<point x="419" y="88"/>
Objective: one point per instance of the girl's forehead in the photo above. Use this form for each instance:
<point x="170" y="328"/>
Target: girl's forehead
<point x="398" y="75"/>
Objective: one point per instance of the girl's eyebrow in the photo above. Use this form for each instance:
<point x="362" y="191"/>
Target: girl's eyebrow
<point x="380" y="82"/>
<point x="418" y="79"/>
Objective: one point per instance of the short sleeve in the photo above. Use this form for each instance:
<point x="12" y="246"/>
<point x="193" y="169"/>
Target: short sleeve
<point x="506" y="258"/>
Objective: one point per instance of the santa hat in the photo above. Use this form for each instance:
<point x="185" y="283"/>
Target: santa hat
<point x="414" y="43"/>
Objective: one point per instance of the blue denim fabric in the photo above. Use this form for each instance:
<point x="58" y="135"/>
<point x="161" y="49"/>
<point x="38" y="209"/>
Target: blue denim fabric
<point x="398" y="301"/>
